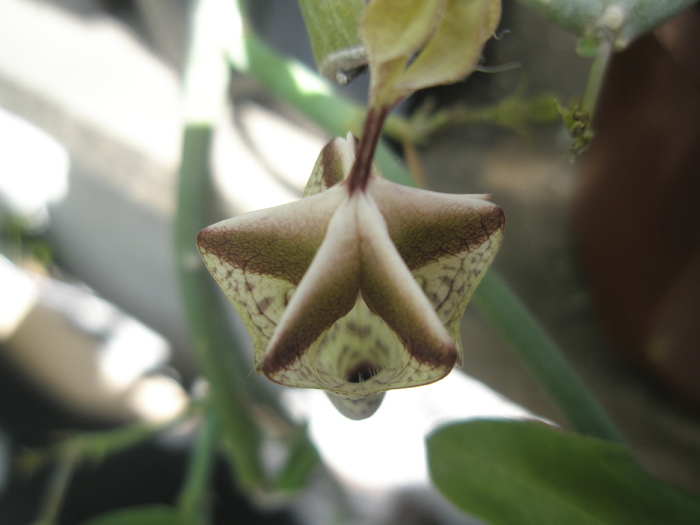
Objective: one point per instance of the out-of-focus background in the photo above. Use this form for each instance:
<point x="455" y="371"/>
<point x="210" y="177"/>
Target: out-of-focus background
<point x="92" y="329"/>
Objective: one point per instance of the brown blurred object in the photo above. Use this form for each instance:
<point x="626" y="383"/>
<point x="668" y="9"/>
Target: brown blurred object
<point x="637" y="216"/>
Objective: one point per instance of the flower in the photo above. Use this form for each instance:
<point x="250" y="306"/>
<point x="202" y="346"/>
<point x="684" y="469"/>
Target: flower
<point x="355" y="289"/>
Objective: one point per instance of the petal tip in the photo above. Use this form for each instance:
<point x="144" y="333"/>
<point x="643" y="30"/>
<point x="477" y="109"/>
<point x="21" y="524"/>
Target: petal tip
<point x="357" y="409"/>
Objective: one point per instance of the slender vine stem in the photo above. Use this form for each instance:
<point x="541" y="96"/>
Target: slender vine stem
<point x="58" y="486"/>
<point x="217" y="349"/>
<point x="193" y="500"/>
<point x="596" y="74"/>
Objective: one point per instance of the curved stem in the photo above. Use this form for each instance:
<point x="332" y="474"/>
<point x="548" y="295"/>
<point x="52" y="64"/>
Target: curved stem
<point x="372" y="132"/>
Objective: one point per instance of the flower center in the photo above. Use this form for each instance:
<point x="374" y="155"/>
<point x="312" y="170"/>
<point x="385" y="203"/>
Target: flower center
<point x="361" y="372"/>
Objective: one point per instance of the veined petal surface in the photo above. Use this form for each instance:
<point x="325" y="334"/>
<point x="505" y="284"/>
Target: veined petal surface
<point x="355" y="291"/>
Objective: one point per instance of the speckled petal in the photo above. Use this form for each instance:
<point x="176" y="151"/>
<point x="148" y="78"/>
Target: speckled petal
<point x="259" y="258"/>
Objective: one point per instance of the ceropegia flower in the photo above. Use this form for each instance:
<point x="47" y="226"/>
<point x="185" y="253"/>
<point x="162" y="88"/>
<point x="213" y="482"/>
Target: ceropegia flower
<point x="357" y="288"/>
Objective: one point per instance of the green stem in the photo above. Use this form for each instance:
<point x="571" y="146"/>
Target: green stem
<point x="88" y="446"/>
<point x="333" y="27"/>
<point x="218" y="351"/>
<point x="596" y="75"/>
<point x="537" y="350"/>
<point x="58" y="485"/>
<point x="193" y="500"/>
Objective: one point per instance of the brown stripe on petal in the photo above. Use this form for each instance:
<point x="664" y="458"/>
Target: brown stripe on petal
<point x="261" y="251"/>
<point x="426" y="352"/>
<point x="361" y="331"/>
<point x="327" y="292"/>
<point x="264" y="303"/>
<point x="314" y="319"/>
<point x="426" y="238"/>
<point x="426" y="225"/>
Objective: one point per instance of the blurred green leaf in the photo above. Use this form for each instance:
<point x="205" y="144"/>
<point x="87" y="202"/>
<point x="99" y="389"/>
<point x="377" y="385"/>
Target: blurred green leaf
<point x="216" y="346"/>
<point x="142" y="515"/>
<point x="526" y="472"/>
<point x="625" y="20"/>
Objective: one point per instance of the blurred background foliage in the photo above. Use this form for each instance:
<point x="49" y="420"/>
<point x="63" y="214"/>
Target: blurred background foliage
<point x="97" y="87"/>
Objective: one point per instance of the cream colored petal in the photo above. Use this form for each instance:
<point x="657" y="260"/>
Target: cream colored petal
<point x="354" y="408"/>
<point x="357" y="360"/>
<point x="391" y="292"/>
<point x="390" y="338"/>
<point x="448" y="242"/>
<point x="333" y="164"/>
<point x="327" y="292"/>
<point x="259" y="258"/>
<point x="360" y="358"/>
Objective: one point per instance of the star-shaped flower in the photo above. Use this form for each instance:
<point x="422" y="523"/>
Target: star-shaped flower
<point x="355" y="289"/>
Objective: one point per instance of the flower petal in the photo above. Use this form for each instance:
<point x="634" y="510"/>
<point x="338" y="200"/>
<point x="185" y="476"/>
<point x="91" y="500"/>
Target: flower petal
<point x="333" y="164"/>
<point x="259" y="258"/>
<point x="447" y="241"/>
<point x="391" y="336"/>
<point x="357" y="409"/>
<point x="391" y="292"/>
<point x="327" y="292"/>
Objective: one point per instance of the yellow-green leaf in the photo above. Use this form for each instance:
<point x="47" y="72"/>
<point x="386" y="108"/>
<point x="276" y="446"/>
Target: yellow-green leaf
<point x="398" y="28"/>
<point x="455" y="47"/>
<point x="413" y="44"/>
